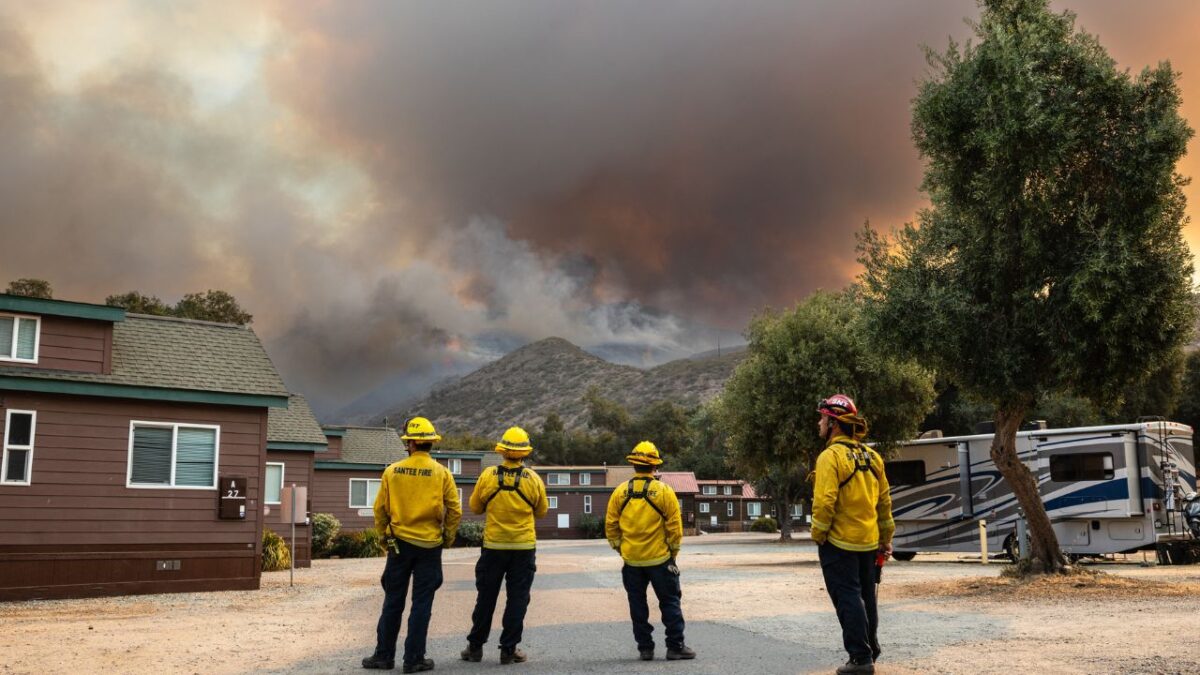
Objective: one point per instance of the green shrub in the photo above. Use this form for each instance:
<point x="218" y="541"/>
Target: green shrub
<point x="764" y="524"/>
<point x="470" y="533"/>
<point x="324" y="528"/>
<point x="360" y="544"/>
<point x="592" y="527"/>
<point x="275" y="555"/>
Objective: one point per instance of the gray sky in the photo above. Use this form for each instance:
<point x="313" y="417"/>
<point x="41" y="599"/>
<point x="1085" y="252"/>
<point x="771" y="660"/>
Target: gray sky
<point x="399" y="191"/>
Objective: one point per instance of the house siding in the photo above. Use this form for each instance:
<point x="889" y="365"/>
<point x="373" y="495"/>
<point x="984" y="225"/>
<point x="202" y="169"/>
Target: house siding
<point x="298" y="470"/>
<point x="570" y="502"/>
<point x="334" y="449"/>
<point x="77" y="530"/>
<point x="331" y="494"/>
<point x="77" y="345"/>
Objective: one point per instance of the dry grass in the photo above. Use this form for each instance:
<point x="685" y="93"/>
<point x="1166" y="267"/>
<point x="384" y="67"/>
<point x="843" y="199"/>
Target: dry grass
<point x="1078" y="585"/>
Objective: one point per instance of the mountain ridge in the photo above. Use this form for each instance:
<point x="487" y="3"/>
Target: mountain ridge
<point x="553" y="375"/>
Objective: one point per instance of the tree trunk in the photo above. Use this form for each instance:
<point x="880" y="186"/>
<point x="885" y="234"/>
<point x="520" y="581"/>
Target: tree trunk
<point x="785" y="519"/>
<point x="1046" y="556"/>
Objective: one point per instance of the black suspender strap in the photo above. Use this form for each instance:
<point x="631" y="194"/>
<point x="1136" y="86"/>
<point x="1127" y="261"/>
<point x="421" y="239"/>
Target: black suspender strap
<point x="631" y="494"/>
<point x="862" y="462"/>
<point x="517" y="473"/>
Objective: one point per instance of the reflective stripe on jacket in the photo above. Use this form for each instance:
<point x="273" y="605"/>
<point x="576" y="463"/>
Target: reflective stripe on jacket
<point x="643" y="536"/>
<point x="852" y="503"/>
<point x="418" y="502"/>
<point x="510" y="519"/>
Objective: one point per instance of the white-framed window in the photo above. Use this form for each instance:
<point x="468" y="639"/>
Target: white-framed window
<point x="587" y="503"/>
<point x="455" y="466"/>
<point x="20" y="337"/>
<point x="729" y="509"/>
<point x="362" y="492"/>
<point x="754" y="509"/>
<point x="558" y="479"/>
<point x="704" y="507"/>
<point x="728" y="489"/>
<point x="585" y="479"/>
<point x="459" y="495"/>
<point x="167" y="455"/>
<point x="273" y="491"/>
<point x="797" y="510"/>
<point x="709" y="489"/>
<point x="553" y="502"/>
<point x="20" y="426"/>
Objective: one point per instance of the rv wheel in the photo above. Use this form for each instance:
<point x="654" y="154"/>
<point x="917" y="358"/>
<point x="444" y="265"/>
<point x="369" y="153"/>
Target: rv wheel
<point x="1010" y="548"/>
<point x="904" y="556"/>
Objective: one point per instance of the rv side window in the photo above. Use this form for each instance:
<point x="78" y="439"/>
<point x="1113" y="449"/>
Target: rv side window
<point x="909" y="472"/>
<point x="1082" y="466"/>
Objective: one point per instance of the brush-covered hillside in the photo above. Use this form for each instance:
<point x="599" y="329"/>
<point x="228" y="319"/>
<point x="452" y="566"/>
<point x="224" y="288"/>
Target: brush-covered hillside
<point x="553" y="375"/>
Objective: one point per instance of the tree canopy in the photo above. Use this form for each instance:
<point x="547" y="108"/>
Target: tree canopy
<point x="794" y="360"/>
<point x="31" y="288"/>
<point x="211" y="305"/>
<point x="1051" y="258"/>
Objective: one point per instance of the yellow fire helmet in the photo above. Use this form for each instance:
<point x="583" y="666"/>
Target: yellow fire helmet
<point x="645" y="454"/>
<point x="420" y="430"/>
<point x="514" y="444"/>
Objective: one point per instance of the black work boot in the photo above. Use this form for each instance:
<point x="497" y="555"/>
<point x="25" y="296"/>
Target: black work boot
<point x="857" y="667"/>
<point x="514" y="656"/>
<point x="374" y="662"/>
<point x="684" y="653"/>
<point x="473" y="653"/>
<point x="646" y="654"/>
<point x="419" y="666"/>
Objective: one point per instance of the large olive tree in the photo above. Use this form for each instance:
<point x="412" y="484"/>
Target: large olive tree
<point x="1051" y="257"/>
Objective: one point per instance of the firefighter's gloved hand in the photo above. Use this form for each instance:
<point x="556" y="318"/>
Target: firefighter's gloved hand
<point x="819" y="536"/>
<point x="672" y="567"/>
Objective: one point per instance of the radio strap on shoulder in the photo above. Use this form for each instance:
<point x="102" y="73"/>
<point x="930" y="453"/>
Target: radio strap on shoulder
<point x="631" y="494"/>
<point x="517" y="473"/>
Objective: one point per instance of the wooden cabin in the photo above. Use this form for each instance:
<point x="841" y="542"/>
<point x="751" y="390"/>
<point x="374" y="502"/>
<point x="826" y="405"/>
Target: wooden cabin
<point x="294" y="439"/>
<point x="133" y="451"/>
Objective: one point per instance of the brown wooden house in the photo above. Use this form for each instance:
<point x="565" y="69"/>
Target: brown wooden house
<point x="727" y="505"/>
<point x="347" y="475"/>
<point x="119" y="435"/>
<point x="575" y="493"/>
<point x="685" y="487"/>
<point x="293" y="440"/>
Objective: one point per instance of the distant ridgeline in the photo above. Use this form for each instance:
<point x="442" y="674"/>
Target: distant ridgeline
<point x="552" y="376"/>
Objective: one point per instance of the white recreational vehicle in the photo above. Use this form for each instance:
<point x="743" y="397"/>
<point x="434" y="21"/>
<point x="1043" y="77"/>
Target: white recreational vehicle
<point x="1107" y="489"/>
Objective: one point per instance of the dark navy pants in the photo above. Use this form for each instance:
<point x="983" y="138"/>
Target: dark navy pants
<point x="423" y="566"/>
<point x="666" y="587"/>
<point x="850" y="580"/>
<point x="515" y="569"/>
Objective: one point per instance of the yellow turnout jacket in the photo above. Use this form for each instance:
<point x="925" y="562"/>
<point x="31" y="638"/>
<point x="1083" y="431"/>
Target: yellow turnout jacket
<point x="852" y="503"/>
<point x="646" y="530"/>
<point x="513" y="498"/>
<point x="418" y="502"/>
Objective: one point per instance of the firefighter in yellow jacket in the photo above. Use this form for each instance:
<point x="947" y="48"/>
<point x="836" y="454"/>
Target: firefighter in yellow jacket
<point x="644" y="525"/>
<point x="417" y="511"/>
<point x="851" y="524"/>
<point x="513" y="497"/>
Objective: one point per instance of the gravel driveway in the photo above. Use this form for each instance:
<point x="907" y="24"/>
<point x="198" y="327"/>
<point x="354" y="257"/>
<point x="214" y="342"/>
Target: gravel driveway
<point x="752" y="606"/>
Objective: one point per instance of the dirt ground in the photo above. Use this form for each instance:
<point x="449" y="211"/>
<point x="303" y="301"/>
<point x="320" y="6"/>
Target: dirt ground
<point x="752" y="606"/>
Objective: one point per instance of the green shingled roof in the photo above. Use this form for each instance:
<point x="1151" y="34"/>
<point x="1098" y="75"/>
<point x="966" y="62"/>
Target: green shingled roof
<point x="372" y="445"/>
<point x="177" y="354"/>
<point x="294" y="424"/>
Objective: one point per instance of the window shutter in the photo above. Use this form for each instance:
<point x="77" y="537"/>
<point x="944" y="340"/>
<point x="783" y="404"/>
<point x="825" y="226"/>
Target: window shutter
<point x="358" y="493"/>
<point x="26" y="338"/>
<point x="274" y="483"/>
<point x="151" y="456"/>
<point x="6" y="336"/>
<point x="195" y="454"/>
